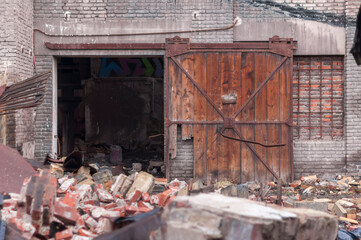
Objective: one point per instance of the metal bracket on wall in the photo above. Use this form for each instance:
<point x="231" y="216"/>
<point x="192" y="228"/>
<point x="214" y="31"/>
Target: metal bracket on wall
<point x="282" y="46"/>
<point x="176" y="46"/>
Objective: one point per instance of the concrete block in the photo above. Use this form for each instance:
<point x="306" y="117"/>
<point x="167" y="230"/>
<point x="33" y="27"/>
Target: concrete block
<point x="319" y="206"/>
<point x="126" y="186"/>
<point x="230" y="191"/>
<point x="339" y="210"/>
<point x="214" y="216"/>
<point x="143" y="182"/>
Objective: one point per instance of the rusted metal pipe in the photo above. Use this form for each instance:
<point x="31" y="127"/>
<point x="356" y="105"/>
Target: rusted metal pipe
<point x="137" y="34"/>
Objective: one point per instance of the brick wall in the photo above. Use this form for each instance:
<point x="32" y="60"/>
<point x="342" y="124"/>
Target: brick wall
<point x="43" y="119"/>
<point x="182" y="166"/>
<point x="324" y="157"/>
<point x="16" y="24"/>
<point x="203" y="14"/>
<point x="352" y="96"/>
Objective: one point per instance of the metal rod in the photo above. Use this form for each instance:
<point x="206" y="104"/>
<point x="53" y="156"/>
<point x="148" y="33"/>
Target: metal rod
<point x="257" y="155"/>
<point x="260" y="87"/>
<point x="252" y="142"/>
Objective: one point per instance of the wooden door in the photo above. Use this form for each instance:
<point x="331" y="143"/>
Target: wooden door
<point x="235" y="101"/>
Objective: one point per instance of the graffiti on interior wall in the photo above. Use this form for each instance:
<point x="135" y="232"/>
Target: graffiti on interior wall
<point x="138" y="67"/>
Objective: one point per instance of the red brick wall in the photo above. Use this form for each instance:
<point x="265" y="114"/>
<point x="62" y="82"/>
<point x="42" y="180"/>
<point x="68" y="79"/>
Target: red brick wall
<point x="318" y="97"/>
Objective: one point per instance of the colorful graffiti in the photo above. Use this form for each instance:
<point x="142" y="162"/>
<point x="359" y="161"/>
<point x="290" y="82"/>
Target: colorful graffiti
<point x="137" y="67"/>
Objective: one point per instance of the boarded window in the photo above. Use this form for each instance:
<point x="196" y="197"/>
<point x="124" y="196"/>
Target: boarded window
<point x="318" y="97"/>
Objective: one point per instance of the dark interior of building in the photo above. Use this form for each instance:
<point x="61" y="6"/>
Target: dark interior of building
<point x="108" y="105"/>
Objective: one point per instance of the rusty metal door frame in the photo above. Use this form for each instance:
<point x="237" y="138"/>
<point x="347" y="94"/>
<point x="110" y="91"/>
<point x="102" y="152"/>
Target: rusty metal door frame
<point x="177" y="46"/>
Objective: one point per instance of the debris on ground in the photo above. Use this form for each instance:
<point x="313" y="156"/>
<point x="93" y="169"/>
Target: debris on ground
<point x="63" y="205"/>
<point x="74" y="199"/>
<point x="213" y="216"/>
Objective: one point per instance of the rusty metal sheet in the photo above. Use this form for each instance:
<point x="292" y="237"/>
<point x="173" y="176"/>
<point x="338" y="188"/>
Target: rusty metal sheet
<point x="25" y="94"/>
<point x="14" y="169"/>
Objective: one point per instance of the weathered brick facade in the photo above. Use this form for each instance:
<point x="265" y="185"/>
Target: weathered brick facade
<point x="322" y="156"/>
<point x="16" y="54"/>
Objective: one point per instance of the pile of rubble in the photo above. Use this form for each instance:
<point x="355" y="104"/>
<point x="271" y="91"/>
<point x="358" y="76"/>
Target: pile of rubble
<point x="82" y="205"/>
<point x="213" y="216"/>
<point x="71" y="201"/>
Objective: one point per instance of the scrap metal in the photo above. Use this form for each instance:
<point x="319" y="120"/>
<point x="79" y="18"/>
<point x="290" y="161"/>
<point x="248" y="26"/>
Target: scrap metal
<point x="26" y="94"/>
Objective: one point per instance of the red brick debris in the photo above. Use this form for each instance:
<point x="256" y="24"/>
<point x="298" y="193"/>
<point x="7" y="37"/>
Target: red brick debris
<point x="69" y="207"/>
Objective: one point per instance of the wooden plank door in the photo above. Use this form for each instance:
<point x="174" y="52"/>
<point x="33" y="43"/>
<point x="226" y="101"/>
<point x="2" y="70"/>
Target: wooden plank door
<point x="234" y="101"/>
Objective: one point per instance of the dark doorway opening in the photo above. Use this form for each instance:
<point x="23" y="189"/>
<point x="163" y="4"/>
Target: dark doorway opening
<point x="111" y="103"/>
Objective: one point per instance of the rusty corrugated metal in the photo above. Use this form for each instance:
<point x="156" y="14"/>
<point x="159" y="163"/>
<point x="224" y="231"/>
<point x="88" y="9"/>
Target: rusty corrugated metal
<point x="26" y="94"/>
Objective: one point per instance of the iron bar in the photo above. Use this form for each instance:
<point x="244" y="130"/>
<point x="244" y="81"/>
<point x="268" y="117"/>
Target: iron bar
<point x="252" y="142"/>
<point x="195" y="47"/>
<point x="290" y="130"/>
<point x="260" y="87"/>
<point x="257" y="155"/>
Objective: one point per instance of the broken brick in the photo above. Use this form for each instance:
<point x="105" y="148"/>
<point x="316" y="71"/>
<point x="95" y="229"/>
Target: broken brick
<point x="145" y="197"/>
<point x="110" y="205"/>
<point x="64" y="235"/>
<point x="135" y="196"/>
<point x="66" y="185"/>
<point x="104" y="225"/>
<point x="90" y="222"/>
<point x="104" y="195"/>
<point x="118" y="184"/>
<point x="86" y="233"/>
<point x="66" y="213"/>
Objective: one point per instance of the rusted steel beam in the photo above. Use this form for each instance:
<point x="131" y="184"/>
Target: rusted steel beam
<point x="166" y="117"/>
<point x="238" y="45"/>
<point x="155" y="46"/>
<point x="105" y="46"/>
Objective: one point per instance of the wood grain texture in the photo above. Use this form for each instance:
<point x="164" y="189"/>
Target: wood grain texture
<point x="248" y="114"/>
<point x="273" y="113"/>
<point x="213" y="90"/>
<point x="261" y="171"/>
<point x="200" y="114"/>
<point x="187" y="96"/>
